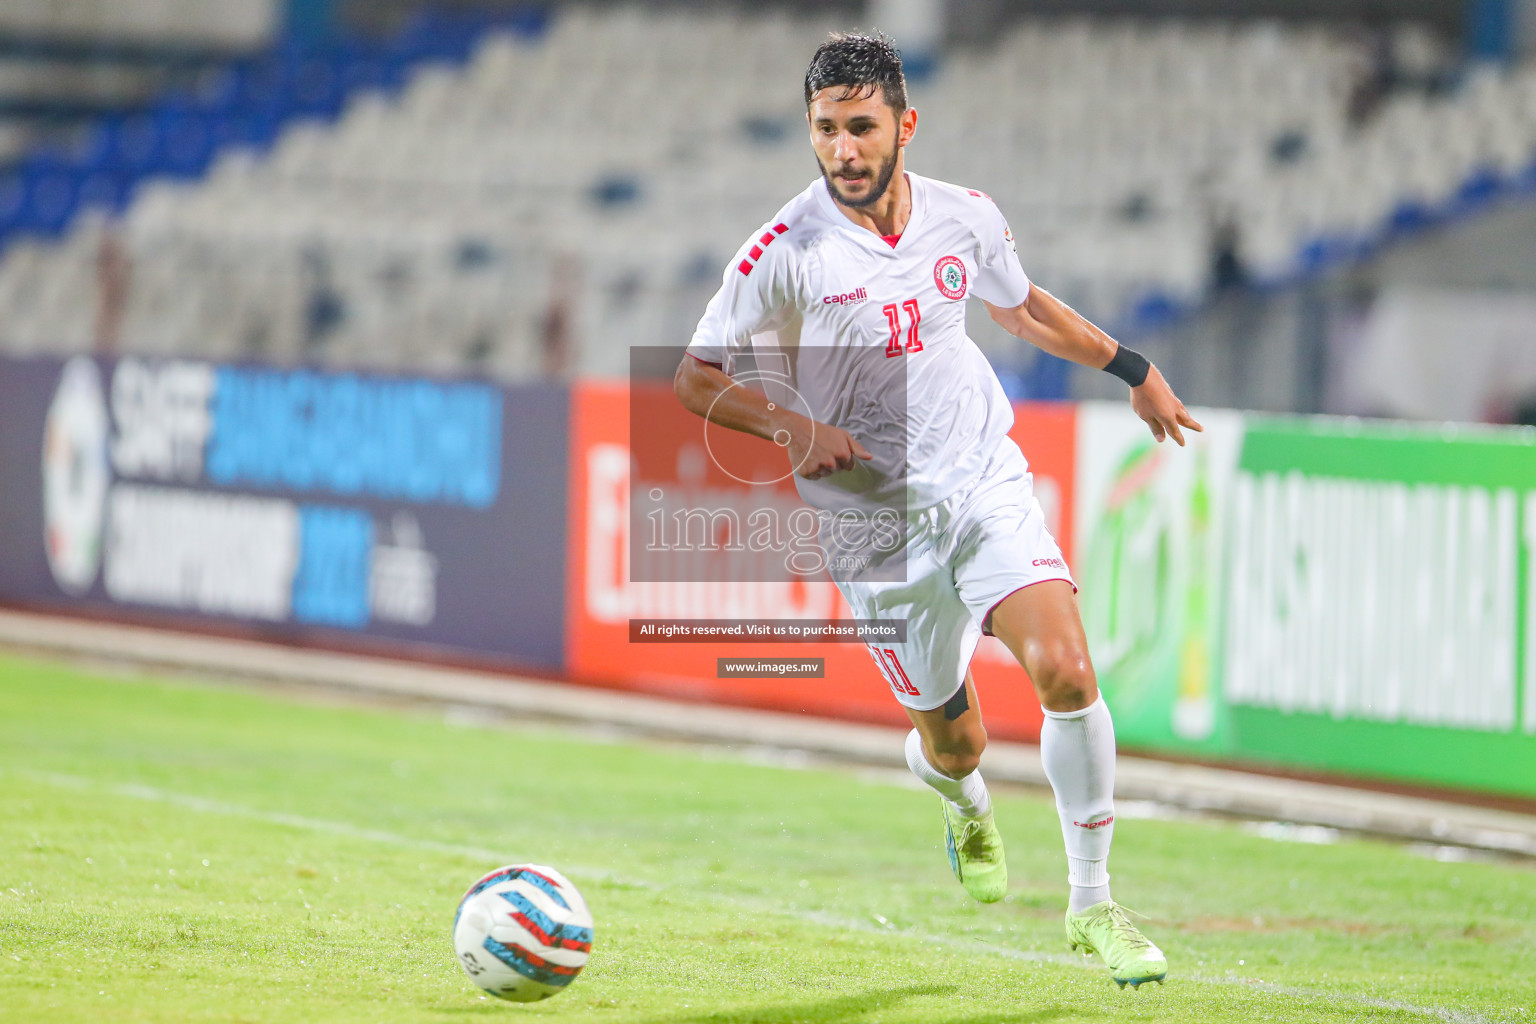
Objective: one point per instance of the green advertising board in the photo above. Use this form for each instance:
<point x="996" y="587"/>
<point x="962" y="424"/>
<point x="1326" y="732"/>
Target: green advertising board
<point x="1370" y="608"/>
<point x="1150" y="526"/>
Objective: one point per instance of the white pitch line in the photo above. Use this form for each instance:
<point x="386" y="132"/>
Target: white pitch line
<point x="347" y="830"/>
<point x="1445" y="1014"/>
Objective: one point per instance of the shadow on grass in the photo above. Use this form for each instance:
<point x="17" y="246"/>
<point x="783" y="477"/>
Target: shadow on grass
<point x="849" y="1009"/>
<point x="1036" y="1016"/>
<point x="853" y="1009"/>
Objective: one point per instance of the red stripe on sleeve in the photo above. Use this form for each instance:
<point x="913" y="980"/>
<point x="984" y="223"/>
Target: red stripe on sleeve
<point x="757" y="251"/>
<point x="780" y="228"/>
<point x="767" y="237"/>
<point x="745" y="266"/>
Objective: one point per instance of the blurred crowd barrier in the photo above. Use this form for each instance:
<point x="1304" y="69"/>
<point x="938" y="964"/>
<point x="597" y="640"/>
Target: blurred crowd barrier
<point x="1347" y="596"/>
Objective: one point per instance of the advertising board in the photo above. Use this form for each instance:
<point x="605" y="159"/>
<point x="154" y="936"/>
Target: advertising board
<point x="299" y="504"/>
<point x="1379" y="612"/>
<point x="1324" y="594"/>
<point x="1151" y="528"/>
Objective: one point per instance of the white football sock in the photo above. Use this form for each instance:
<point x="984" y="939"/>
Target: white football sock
<point x="1077" y="749"/>
<point x="968" y="794"/>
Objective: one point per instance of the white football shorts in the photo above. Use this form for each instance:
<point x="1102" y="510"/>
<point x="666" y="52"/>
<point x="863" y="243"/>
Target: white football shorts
<point x="963" y="556"/>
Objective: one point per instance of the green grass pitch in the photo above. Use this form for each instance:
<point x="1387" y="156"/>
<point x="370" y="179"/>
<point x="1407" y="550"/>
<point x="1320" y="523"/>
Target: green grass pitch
<point x="178" y="852"/>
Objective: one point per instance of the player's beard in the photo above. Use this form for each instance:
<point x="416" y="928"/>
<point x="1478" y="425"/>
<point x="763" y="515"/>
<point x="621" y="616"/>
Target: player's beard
<point x="882" y="182"/>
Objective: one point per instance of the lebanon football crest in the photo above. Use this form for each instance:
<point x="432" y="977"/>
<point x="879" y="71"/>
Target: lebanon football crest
<point x="949" y="275"/>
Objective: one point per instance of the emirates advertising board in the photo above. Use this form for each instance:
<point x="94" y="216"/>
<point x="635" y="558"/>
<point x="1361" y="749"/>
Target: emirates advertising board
<point x="295" y="504"/>
<point x="634" y="439"/>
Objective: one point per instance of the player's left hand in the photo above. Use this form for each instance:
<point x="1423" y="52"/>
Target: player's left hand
<point x="1161" y="410"/>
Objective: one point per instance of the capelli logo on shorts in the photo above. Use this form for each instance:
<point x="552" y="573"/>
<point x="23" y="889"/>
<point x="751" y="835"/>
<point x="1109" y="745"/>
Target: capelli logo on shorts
<point x="1054" y="563"/>
<point x="1095" y="824"/>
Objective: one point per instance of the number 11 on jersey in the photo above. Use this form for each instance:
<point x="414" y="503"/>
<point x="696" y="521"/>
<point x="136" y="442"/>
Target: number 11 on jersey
<point x="893" y="321"/>
<point x="890" y="668"/>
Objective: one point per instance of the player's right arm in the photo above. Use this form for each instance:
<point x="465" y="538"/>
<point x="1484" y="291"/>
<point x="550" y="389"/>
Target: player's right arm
<point x="757" y="294"/>
<point x="815" y="449"/>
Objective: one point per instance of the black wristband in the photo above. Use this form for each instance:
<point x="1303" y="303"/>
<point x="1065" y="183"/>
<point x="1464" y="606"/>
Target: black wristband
<point x="1130" y="366"/>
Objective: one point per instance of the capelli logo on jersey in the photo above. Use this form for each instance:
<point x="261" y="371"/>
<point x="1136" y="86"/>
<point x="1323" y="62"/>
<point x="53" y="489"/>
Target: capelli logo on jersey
<point x="846" y="299"/>
<point x="1054" y="563"/>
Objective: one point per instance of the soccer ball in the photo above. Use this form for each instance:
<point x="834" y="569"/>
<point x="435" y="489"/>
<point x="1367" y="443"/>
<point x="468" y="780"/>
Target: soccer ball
<point x="523" y="932"/>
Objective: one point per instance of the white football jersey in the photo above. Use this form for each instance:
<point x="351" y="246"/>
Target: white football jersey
<point x="871" y="337"/>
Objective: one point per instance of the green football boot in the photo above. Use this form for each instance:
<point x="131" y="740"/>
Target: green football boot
<point x="975" y="854"/>
<point x="1106" y="929"/>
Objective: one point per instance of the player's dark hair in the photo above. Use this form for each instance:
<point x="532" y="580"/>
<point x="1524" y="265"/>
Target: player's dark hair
<point x="861" y="63"/>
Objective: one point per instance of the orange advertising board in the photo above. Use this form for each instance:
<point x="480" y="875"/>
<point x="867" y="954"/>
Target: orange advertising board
<point x="677" y="457"/>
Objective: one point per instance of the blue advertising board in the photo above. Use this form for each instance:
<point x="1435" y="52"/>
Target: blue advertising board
<point x="305" y="505"/>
